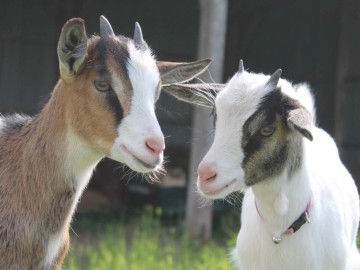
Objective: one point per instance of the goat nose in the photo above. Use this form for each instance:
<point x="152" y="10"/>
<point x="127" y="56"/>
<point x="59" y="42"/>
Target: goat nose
<point x="207" y="172"/>
<point x="155" y="145"/>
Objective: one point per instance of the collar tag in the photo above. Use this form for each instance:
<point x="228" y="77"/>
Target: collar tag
<point x="276" y="239"/>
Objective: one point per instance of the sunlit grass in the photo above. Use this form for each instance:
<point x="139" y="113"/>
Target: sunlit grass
<point x="144" y="243"/>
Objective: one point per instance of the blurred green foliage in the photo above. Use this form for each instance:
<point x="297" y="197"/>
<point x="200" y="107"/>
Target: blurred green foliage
<point x="149" y="242"/>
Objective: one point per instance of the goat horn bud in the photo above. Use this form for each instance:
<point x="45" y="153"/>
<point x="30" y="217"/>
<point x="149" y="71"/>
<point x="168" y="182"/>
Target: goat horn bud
<point x="105" y="27"/>
<point x="241" y="67"/>
<point x="274" y="79"/>
<point x="138" y="36"/>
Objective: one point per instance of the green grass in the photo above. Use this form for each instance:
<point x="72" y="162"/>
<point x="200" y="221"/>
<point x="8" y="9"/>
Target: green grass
<point x="144" y="243"/>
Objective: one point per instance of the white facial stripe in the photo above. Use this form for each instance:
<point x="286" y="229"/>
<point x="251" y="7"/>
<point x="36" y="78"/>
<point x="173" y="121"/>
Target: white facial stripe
<point x="144" y="75"/>
<point x="141" y="123"/>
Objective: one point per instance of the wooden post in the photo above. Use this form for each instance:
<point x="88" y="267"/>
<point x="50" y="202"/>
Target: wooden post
<point x="212" y="33"/>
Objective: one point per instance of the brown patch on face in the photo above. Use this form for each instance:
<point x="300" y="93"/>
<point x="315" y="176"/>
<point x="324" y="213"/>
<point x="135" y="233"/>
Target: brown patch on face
<point x="98" y="114"/>
<point x="89" y="114"/>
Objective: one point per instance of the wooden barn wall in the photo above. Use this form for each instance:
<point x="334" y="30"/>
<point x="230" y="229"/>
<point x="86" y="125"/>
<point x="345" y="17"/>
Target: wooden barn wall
<point x="302" y="38"/>
<point x="348" y="118"/>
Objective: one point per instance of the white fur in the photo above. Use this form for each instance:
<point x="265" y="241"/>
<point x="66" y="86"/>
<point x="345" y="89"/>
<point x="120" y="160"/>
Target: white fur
<point x="329" y="241"/>
<point x="81" y="161"/>
<point x="281" y="204"/>
<point x="54" y="244"/>
<point x="141" y="123"/>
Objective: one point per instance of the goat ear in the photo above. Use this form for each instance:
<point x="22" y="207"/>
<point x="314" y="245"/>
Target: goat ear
<point x="72" y="48"/>
<point x="202" y="94"/>
<point x="172" y="72"/>
<point x="301" y="120"/>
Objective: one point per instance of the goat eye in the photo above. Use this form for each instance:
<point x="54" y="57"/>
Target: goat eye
<point x="267" y="131"/>
<point x="102" y="86"/>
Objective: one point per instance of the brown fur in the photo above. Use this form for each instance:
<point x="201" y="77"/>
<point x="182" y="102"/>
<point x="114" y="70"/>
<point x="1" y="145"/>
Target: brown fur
<point x="32" y="209"/>
<point x="37" y="190"/>
<point x="46" y="160"/>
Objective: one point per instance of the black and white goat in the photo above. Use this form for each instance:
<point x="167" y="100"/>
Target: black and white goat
<point x="266" y="143"/>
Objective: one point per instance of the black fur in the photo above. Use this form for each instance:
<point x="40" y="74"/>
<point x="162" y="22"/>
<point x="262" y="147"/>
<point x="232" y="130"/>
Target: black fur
<point x="272" y="111"/>
<point x="118" y="51"/>
<point x="115" y="106"/>
<point x="102" y="68"/>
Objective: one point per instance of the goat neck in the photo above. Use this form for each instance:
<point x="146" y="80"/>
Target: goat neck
<point x="281" y="200"/>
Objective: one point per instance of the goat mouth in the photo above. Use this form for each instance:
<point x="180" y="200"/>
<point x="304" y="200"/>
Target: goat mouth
<point x="147" y="165"/>
<point x="139" y="160"/>
<point x="219" y="190"/>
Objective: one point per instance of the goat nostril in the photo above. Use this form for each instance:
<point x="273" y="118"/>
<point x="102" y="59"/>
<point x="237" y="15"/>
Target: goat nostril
<point x="207" y="171"/>
<point x="207" y="176"/>
<point x="155" y="146"/>
<point x="210" y="177"/>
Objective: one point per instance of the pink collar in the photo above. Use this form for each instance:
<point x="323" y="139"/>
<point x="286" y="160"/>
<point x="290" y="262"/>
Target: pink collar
<point x="295" y="226"/>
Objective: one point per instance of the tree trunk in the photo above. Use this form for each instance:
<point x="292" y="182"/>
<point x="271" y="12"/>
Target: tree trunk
<point x="212" y="33"/>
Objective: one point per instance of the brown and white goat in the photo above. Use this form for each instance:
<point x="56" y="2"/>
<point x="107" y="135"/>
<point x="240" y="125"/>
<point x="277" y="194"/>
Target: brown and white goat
<point x="102" y="106"/>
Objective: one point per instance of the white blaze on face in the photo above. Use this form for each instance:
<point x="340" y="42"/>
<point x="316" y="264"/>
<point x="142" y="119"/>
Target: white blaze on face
<point x="141" y="124"/>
